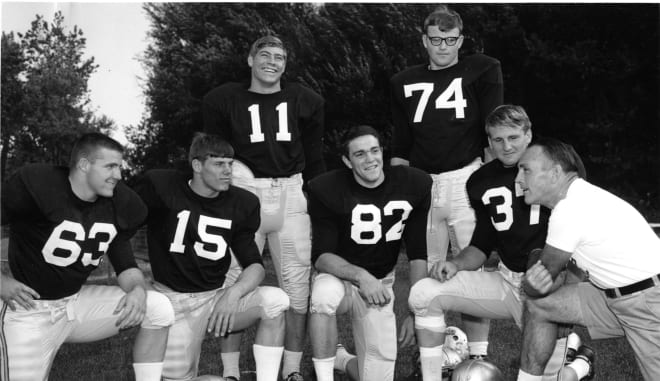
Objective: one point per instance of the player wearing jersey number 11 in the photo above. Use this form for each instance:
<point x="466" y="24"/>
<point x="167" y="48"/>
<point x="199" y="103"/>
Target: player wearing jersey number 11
<point x="276" y="128"/>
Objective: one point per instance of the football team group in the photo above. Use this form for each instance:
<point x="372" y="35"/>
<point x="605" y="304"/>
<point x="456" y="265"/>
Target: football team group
<point x="465" y="182"/>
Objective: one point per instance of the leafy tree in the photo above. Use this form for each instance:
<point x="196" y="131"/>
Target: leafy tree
<point x="45" y="94"/>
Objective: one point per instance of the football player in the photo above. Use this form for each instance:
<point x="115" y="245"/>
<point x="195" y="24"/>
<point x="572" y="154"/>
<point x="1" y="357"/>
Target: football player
<point x="504" y="223"/>
<point x="619" y="255"/>
<point x="438" y="112"/>
<point x="360" y="216"/>
<point x="192" y="223"/>
<point x="63" y="220"/>
<point x="276" y="128"/>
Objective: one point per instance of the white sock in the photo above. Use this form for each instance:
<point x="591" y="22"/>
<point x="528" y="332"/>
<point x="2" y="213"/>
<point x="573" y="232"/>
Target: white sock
<point x="478" y="348"/>
<point x="148" y="371"/>
<point x="230" y="367"/>
<point x="431" y="359"/>
<point x="556" y="360"/>
<point x="523" y="376"/>
<point x="324" y="368"/>
<point x="342" y="358"/>
<point x="291" y="362"/>
<point x="580" y="366"/>
<point x="267" y="360"/>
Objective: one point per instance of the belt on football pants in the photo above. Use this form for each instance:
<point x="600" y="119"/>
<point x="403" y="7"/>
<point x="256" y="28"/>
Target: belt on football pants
<point x="635" y="287"/>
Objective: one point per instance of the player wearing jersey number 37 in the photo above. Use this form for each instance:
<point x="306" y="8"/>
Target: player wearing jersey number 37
<point x="438" y="113"/>
<point x="276" y="128"/>
<point x="63" y="220"/>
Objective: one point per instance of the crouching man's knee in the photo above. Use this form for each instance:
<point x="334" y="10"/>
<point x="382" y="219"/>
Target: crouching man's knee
<point x="159" y="312"/>
<point x="274" y="301"/>
<point x="419" y="301"/>
<point x="327" y="293"/>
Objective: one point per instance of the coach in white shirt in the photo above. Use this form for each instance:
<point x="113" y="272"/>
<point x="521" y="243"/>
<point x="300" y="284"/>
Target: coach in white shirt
<point x="605" y="237"/>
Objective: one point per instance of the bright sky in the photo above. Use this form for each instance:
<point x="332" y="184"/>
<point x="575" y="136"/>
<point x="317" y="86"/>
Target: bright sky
<point x="116" y="38"/>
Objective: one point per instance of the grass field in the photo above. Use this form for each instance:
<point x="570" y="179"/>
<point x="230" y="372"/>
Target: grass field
<point x="111" y="359"/>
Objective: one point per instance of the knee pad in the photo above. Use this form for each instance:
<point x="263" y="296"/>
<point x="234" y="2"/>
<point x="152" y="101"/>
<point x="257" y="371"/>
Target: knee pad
<point x="327" y="294"/>
<point x="159" y="313"/>
<point x="421" y="295"/>
<point x="274" y="301"/>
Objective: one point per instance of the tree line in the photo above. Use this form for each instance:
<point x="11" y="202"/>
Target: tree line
<point x="586" y="73"/>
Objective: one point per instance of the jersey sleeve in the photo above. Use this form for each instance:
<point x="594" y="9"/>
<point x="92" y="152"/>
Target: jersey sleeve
<point x="215" y="120"/>
<point x="17" y="201"/>
<point x="401" y="134"/>
<point x="145" y="188"/>
<point x="243" y="245"/>
<point x="325" y="232"/>
<point x="131" y="214"/>
<point x="312" y="137"/>
<point x="490" y="89"/>
<point x="414" y="233"/>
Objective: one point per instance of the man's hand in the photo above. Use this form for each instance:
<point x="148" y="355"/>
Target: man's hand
<point x="222" y="318"/>
<point x="444" y="270"/>
<point x="372" y="290"/>
<point x="407" y="334"/>
<point x="537" y="280"/>
<point x="13" y="291"/>
<point x="131" y="308"/>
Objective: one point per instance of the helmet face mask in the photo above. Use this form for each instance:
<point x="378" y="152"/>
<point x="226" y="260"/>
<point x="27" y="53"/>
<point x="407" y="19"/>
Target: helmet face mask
<point x="457" y="340"/>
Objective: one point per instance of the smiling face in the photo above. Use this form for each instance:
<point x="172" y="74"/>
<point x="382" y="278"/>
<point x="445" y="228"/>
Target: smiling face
<point x="508" y="143"/>
<point x="365" y="159"/>
<point x="443" y="55"/>
<point x="268" y="65"/>
<point x="211" y="175"/>
<point x="102" y="172"/>
<point x="536" y="177"/>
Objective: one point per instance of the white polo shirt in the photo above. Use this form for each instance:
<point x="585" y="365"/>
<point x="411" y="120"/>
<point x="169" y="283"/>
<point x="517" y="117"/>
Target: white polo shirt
<point x="607" y="236"/>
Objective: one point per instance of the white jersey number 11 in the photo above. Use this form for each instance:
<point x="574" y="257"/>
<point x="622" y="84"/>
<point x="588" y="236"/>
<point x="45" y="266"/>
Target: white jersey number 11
<point x="283" y="134"/>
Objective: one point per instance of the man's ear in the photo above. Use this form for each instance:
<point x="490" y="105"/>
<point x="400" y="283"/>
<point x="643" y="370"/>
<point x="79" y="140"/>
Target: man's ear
<point x="196" y="165"/>
<point x="250" y="61"/>
<point x="346" y="162"/>
<point x="83" y="164"/>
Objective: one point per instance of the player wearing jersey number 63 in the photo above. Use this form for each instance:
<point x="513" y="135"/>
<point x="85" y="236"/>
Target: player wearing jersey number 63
<point x="193" y="222"/>
<point x="63" y="220"/>
<point x="360" y="217"/>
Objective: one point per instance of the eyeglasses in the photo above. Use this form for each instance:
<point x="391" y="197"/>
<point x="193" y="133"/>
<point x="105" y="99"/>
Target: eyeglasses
<point x="437" y="41"/>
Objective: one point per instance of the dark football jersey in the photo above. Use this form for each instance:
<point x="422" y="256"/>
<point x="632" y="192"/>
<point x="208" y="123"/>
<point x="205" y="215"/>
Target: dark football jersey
<point x="438" y="115"/>
<point x="504" y="221"/>
<point x="275" y="135"/>
<point x="57" y="239"/>
<point x="189" y="236"/>
<point x="365" y="226"/>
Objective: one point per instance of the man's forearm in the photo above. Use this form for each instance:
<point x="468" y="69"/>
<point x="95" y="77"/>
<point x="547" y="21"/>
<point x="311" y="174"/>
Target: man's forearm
<point x="470" y="258"/>
<point x="339" y="267"/>
<point x="249" y="279"/>
<point x="131" y="278"/>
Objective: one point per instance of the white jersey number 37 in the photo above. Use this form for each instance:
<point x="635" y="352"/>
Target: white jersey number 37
<point x="366" y="228"/>
<point x="452" y="97"/>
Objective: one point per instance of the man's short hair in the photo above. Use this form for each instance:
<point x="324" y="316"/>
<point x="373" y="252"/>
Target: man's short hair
<point x="86" y="145"/>
<point x="444" y="18"/>
<point x="356" y="132"/>
<point x="205" y="145"/>
<point x="563" y="154"/>
<point x="267" y="41"/>
<point x="509" y="116"/>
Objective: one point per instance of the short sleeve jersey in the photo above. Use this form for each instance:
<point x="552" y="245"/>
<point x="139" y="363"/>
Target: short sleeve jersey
<point x="609" y="239"/>
<point x="189" y="236"/>
<point x="275" y="135"/>
<point x="438" y="115"/>
<point x="56" y="239"/>
<point x="366" y="226"/>
<point x="504" y="221"/>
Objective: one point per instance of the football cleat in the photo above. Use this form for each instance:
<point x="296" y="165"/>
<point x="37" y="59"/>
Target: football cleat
<point x="573" y="343"/>
<point x="587" y="354"/>
<point x="457" y="340"/>
<point x="294" y="376"/>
